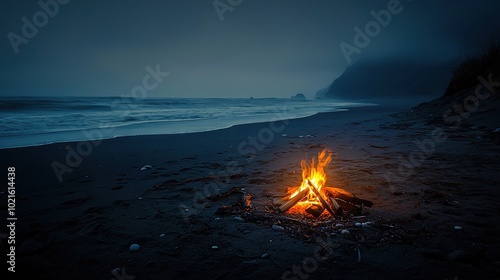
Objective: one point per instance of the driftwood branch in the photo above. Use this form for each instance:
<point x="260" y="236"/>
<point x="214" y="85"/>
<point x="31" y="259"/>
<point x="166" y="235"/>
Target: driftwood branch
<point x="292" y="201"/>
<point x="320" y="197"/>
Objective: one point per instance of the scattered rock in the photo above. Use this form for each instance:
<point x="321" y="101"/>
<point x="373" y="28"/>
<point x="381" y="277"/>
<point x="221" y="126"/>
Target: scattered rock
<point x="358" y="224"/>
<point x="162" y="235"/>
<point x="284" y="135"/>
<point x="116" y="271"/>
<point x="458" y="228"/>
<point x="238" y="218"/>
<point x="344" y="232"/>
<point x="278" y="228"/>
<point x="299" y="96"/>
<point x="215" y="247"/>
<point x="457" y="256"/>
<point x="146" y="167"/>
<point x="264" y="256"/>
<point x="339" y="225"/>
<point x="134" y="248"/>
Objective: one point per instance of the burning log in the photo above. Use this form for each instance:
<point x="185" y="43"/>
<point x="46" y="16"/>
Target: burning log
<point x="320" y="198"/>
<point x="335" y="206"/>
<point x="347" y="196"/>
<point x="291" y="202"/>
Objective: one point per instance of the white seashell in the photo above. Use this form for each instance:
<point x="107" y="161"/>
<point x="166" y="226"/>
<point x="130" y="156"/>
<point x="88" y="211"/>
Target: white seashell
<point x="134" y="248"/>
<point x="145" y="167"/>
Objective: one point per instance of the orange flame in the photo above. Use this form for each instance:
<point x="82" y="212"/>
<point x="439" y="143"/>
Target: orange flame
<point x="315" y="173"/>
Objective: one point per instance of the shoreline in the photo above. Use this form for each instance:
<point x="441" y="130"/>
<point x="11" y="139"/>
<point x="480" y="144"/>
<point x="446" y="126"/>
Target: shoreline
<point x="152" y="124"/>
<point x="149" y="127"/>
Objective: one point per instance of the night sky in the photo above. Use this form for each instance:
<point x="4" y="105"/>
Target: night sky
<point x="261" y="48"/>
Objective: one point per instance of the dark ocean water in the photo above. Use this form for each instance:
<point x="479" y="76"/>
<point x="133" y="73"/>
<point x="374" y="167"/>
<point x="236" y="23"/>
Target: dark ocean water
<point x="27" y="121"/>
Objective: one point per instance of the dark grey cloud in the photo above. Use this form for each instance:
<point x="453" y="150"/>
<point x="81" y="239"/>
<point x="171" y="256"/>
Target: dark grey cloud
<point x="262" y="48"/>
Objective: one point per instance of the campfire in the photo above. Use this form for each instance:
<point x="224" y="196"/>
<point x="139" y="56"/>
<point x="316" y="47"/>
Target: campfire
<point x="313" y="196"/>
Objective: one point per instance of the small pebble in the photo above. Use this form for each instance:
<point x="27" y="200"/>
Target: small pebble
<point x="284" y="135"/>
<point x="358" y="224"/>
<point x="116" y="271"/>
<point x="278" y="228"/>
<point x="344" y="232"/>
<point x="457" y="256"/>
<point x="134" y="248"/>
<point x="239" y="219"/>
<point x="162" y="235"/>
<point x="215" y="247"/>
<point x="458" y="228"/>
<point x="217" y="218"/>
<point x="264" y="256"/>
<point x="339" y="225"/>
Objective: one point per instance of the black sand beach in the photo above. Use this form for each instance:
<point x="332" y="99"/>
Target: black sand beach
<point x="435" y="220"/>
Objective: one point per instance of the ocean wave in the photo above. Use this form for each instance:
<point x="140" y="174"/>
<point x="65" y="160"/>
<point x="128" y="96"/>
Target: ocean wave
<point x="57" y="116"/>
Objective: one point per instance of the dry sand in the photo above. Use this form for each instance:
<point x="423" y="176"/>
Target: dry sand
<point x="82" y="227"/>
